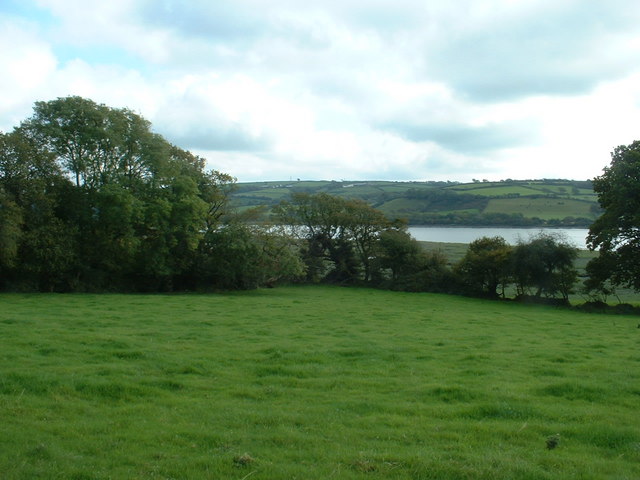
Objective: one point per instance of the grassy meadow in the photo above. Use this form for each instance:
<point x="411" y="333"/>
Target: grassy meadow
<point x="314" y="382"/>
<point x="545" y="208"/>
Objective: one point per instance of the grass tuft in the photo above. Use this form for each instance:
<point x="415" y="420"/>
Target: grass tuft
<point x="243" y="460"/>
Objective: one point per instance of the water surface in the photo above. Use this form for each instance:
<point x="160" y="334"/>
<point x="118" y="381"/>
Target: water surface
<point x="575" y="236"/>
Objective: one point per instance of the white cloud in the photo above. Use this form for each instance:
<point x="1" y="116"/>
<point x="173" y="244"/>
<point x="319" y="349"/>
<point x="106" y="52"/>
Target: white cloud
<point x="345" y="89"/>
<point x="25" y="66"/>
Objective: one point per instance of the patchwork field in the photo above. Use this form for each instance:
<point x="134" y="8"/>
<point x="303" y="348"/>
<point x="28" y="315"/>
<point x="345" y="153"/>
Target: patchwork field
<point x="314" y="382"/>
<point x="544" y="208"/>
<point x="508" y="202"/>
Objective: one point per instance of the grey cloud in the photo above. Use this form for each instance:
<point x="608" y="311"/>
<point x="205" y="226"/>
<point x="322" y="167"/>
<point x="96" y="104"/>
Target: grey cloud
<point x="565" y="49"/>
<point x="235" y="23"/>
<point x="345" y="85"/>
<point x="335" y="58"/>
<point x="221" y="20"/>
<point x="385" y="16"/>
<point x="191" y="122"/>
<point x="218" y="138"/>
<point x="432" y="166"/>
<point x="259" y="39"/>
<point x="555" y="48"/>
<point x="461" y="138"/>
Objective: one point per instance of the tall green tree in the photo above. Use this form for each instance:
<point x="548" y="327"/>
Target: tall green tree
<point x="322" y="220"/>
<point x="338" y="231"/>
<point x="10" y="232"/>
<point x="77" y="131"/>
<point x="37" y="246"/>
<point x="398" y="252"/>
<point x="486" y="266"/>
<point x="244" y="256"/>
<point x="544" y="266"/>
<point x="364" y="225"/>
<point x="598" y="285"/>
<point x="616" y="233"/>
<point x="93" y="199"/>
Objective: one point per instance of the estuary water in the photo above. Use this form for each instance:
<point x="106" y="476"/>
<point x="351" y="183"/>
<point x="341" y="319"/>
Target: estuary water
<point x="575" y="236"/>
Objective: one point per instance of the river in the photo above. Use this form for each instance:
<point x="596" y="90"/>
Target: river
<point x="575" y="236"/>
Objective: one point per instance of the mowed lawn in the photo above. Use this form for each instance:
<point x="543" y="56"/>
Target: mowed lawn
<point x="314" y="383"/>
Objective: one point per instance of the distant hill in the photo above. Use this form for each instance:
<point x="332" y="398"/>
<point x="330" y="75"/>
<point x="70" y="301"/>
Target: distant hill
<point x="562" y="203"/>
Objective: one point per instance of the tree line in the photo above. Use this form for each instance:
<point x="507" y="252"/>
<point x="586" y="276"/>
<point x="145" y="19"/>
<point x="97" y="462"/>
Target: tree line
<point x="91" y="199"/>
<point x="349" y="242"/>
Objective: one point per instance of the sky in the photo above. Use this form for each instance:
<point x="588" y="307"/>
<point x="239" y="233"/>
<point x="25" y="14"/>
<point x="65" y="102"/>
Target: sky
<point x="406" y="90"/>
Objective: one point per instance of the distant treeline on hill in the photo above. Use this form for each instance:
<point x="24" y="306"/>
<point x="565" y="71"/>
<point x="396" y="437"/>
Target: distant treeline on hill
<point x="517" y="203"/>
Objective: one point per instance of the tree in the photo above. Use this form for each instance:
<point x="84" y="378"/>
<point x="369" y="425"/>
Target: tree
<point x="616" y="233"/>
<point x="37" y="248"/>
<point x="97" y="144"/>
<point x="242" y="256"/>
<point x="92" y="199"/>
<point x="364" y="224"/>
<point x="431" y="274"/>
<point x="598" y="286"/>
<point x="544" y="265"/>
<point x="399" y="253"/>
<point x="323" y="221"/>
<point x="75" y="130"/>
<point x="112" y="231"/>
<point x="10" y="232"/>
<point x="486" y="266"/>
<point x="341" y="235"/>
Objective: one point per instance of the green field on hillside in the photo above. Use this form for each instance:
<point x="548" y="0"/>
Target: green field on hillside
<point x="496" y="190"/>
<point x="314" y="382"/>
<point x="546" y="208"/>
<point x="511" y="202"/>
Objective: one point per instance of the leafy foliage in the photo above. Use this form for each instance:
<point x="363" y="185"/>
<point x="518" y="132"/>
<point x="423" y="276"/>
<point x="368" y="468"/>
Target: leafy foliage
<point x="240" y="256"/>
<point x="616" y="233"/>
<point x="92" y="199"/>
<point x="486" y="266"/>
<point x="398" y="252"/>
<point x="348" y="241"/>
<point x="544" y="265"/>
<point x="341" y="232"/>
<point x="598" y="285"/>
<point x="540" y="267"/>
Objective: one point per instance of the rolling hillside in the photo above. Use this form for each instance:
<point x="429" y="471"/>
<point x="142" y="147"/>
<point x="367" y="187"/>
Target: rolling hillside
<point x="511" y="202"/>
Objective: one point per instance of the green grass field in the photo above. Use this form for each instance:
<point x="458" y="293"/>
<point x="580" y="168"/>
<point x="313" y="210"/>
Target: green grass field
<point x="545" y="208"/>
<point x="314" y="382"/>
<point x="400" y="206"/>
<point x="498" y="190"/>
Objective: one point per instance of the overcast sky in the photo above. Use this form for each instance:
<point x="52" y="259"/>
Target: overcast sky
<point x="345" y="89"/>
